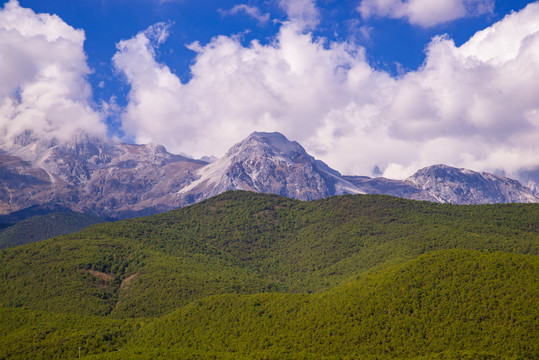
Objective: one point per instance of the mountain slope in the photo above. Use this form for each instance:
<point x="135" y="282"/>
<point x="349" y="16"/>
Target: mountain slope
<point x="446" y="184"/>
<point x="382" y="186"/>
<point x="255" y="276"/>
<point x="461" y="186"/>
<point x="23" y="185"/>
<point x="93" y="176"/>
<point x="445" y="304"/>
<point x="270" y="163"/>
<point x="530" y="178"/>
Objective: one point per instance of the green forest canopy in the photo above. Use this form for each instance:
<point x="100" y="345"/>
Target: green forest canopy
<point x="357" y="276"/>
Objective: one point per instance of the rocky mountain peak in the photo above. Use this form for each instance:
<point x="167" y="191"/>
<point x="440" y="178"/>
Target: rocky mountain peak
<point x="264" y="145"/>
<point x="269" y="163"/>
<point x="448" y="184"/>
<point x="107" y="178"/>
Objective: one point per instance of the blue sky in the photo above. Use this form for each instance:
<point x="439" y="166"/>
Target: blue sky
<point x="360" y="83"/>
<point x="106" y="22"/>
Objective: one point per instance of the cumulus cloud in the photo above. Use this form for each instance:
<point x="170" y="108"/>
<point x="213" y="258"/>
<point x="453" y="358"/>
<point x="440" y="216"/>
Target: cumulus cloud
<point x="154" y="111"/>
<point x="43" y="86"/>
<point x="473" y="106"/>
<point x="252" y="11"/>
<point x="477" y="102"/>
<point x="425" y="13"/>
<point x="234" y="90"/>
<point x="302" y="13"/>
<point x="287" y="86"/>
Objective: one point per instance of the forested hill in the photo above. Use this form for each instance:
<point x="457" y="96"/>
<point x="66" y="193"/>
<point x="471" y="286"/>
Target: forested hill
<point x="446" y="304"/>
<point x="244" y="244"/>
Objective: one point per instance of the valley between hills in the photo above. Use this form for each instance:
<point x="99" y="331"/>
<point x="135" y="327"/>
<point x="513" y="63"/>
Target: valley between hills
<point x="245" y="275"/>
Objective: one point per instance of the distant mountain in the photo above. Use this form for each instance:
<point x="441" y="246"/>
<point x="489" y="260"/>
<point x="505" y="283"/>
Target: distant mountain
<point x="95" y="176"/>
<point x="268" y="163"/>
<point x="109" y="179"/>
<point x="447" y="184"/>
<point x="530" y="178"/>
<point x="382" y="186"/>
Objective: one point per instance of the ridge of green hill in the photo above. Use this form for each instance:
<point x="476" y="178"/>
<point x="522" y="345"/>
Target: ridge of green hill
<point x="447" y="304"/>
<point x="242" y="242"/>
<point x="41" y="227"/>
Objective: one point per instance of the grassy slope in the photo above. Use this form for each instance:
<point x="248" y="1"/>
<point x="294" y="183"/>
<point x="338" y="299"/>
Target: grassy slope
<point x="246" y="243"/>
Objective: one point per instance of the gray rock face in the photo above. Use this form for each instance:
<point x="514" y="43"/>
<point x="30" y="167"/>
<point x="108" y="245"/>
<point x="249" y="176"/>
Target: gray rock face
<point x="268" y="163"/>
<point x="138" y="180"/>
<point x="530" y="178"/>
<point x="94" y="176"/>
<point x="115" y="180"/>
<point x="461" y="186"/>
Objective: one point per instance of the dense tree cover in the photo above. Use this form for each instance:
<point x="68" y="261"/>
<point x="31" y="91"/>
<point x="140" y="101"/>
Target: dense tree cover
<point x="241" y="242"/>
<point x="342" y="276"/>
<point x="445" y="302"/>
<point x="448" y="304"/>
<point x="43" y="227"/>
<point x="31" y="334"/>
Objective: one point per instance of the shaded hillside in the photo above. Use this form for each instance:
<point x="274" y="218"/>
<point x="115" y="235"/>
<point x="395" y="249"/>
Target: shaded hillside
<point x="241" y="242"/>
<point x="43" y="227"/>
<point x="31" y="334"/>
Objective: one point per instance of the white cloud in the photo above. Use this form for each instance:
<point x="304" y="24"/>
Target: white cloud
<point x="477" y="102"/>
<point x="252" y="11"/>
<point x="153" y="112"/>
<point x="287" y="86"/>
<point x="472" y="106"/>
<point x="425" y="13"/>
<point x="43" y="84"/>
<point x="302" y="13"/>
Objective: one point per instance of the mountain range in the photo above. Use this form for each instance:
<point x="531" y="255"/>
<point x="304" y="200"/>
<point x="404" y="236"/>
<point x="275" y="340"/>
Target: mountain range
<point x="115" y="180"/>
